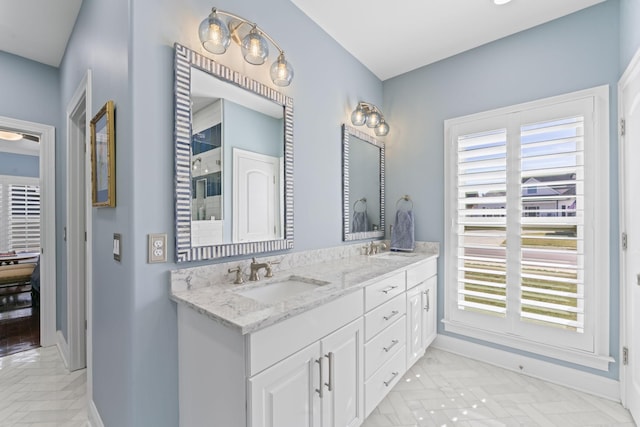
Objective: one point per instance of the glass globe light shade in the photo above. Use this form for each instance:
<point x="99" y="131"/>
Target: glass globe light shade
<point x="281" y="71"/>
<point x="254" y="48"/>
<point x="382" y="129"/>
<point x="373" y="119"/>
<point x="359" y="116"/>
<point x="214" y="34"/>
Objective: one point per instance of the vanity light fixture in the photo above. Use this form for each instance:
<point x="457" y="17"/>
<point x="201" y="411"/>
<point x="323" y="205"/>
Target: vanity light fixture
<point x="216" y="35"/>
<point x="197" y="162"/>
<point x="369" y="114"/>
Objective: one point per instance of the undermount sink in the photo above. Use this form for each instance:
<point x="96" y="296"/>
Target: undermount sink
<point x="280" y="290"/>
<point x="391" y="255"/>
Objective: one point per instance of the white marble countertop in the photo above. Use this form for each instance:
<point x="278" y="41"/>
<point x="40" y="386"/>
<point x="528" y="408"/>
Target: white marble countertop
<point x="220" y="302"/>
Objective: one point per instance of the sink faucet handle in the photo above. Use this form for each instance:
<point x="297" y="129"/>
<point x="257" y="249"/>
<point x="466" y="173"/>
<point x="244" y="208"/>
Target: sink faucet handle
<point x="239" y="279"/>
<point x="269" y="272"/>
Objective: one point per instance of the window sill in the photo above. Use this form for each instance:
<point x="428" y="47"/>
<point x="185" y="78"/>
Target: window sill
<point x="582" y="358"/>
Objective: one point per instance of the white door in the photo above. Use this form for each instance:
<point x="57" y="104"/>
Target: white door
<point x="285" y="395"/>
<point x="415" y="326"/>
<point x="629" y="110"/>
<point x="343" y="397"/>
<point x="255" y="196"/>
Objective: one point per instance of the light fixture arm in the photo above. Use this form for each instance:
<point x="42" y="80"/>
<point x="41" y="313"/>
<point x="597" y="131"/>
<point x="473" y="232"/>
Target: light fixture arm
<point x="253" y="25"/>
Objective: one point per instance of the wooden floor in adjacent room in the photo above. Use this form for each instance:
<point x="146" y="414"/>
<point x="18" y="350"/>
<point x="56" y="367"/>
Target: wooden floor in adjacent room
<point x="19" y="324"/>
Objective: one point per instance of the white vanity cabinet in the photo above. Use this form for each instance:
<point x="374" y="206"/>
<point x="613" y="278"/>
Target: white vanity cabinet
<point x="320" y="385"/>
<point x="385" y="336"/>
<point x="422" y="283"/>
<point x="271" y="377"/>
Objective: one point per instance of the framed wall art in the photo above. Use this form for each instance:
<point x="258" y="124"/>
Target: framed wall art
<point x="103" y="159"/>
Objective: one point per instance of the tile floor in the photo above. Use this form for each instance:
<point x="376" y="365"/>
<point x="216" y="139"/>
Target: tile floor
<point x="441" y="390"/>
<point x="446" y="390"/>
<point x="36" y="390"/>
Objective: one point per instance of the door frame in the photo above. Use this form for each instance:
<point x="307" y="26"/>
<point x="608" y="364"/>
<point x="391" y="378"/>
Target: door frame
<point x="47" y="172"/>
<point x="79" y="297"/>
<point x="632" y="72"/>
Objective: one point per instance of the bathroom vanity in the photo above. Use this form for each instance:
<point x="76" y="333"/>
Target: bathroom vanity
<point x="319" y="344"/>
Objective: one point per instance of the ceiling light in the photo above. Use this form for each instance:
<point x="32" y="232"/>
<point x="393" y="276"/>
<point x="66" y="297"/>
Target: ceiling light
<point x="501" y="2"/>
<point x="10" y="136"/>
<point x="369" y="114"/>
<point x="215" y="36"/>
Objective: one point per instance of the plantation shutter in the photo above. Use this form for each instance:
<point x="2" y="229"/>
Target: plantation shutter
<point x="24" y="217"/>
<point x="481" y="222"/>
<point x="552" y="223"/>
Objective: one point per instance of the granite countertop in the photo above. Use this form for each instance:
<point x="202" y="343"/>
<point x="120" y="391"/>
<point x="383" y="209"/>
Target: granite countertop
<point x="221" y="303"/>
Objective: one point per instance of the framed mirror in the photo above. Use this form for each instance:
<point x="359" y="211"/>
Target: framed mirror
<point x="233" y="162"/>
<point x="362" y="184"/>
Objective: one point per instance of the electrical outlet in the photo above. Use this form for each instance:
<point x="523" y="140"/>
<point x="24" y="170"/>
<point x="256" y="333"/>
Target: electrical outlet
<point x="157" y="248"/>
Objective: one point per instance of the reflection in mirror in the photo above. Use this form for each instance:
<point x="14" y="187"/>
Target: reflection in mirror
<point x="234" y="162"/>
<point x="363" y="185"/>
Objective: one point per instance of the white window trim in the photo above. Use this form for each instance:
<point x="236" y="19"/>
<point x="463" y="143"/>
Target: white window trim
<point x="5" y="181"/>
<point x="599" y="358"/>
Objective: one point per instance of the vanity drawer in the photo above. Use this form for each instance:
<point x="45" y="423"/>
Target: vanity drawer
<point x="422" y="272"/>
<point x="384" y="346"/>
<point x="383" y="316"/>
<point x="384" y="290"/>
<point x="381" y="383"/>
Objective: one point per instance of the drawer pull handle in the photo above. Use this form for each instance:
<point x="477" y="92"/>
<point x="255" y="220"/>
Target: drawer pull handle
<point x="428" y="306"/>
<point x="393" y="376"/>
<point x="393" y="343"/>
<point x="321" y="389"/>
<point x="389" y="289"/>
<point x="393" y="313"/>
<point x="331" y="361"/>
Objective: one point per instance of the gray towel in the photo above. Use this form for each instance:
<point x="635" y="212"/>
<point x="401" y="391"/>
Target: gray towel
<point x="402" y="234"/>
<point x="360" y="222"/>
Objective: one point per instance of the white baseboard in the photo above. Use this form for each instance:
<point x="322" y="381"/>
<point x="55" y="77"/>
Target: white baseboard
<point x="94" y="416"/>
<point x="63" y="348"/>
<point x="551" y="372"/>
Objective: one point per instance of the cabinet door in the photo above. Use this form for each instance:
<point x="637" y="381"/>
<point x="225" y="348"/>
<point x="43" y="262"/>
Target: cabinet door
<point x="429" y="306"/>
<point x="286" y="394"/>
<point x="415" y="323"/>
<point x="343" y="354"/>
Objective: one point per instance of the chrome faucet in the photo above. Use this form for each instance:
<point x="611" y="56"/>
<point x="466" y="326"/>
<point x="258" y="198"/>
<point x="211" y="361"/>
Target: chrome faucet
<point x="255" y="269"/>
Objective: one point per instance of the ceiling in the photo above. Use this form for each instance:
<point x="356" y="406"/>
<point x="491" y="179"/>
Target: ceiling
<point x="37" y="29"/>
<point x="388" y="37"/>
<point x="393" y="37"/>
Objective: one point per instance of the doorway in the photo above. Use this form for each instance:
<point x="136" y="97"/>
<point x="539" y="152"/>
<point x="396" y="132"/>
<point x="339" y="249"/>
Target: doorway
<point x="47" y="265"/>
<point x="629" y="112"/>
<point x="78" y="229"/>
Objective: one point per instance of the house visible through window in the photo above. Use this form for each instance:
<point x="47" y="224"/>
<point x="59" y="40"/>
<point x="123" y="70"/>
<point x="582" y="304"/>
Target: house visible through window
<point x="20" y="214"/>
<point x="525" y="185"/>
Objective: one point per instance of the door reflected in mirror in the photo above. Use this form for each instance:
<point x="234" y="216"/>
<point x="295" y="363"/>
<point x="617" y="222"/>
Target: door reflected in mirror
<point x="234" y="191"/>
<point x="363" y="185"/>
<point x="237" y="156"/>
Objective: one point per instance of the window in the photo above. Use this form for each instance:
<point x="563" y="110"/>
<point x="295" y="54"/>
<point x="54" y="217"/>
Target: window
<point x="19" y="214"/>
<point x="527" y="234"/>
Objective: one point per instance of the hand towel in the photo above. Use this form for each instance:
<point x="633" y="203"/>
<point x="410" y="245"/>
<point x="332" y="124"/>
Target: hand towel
<point x="402" y="234"/>
<point x="360" y="222"/>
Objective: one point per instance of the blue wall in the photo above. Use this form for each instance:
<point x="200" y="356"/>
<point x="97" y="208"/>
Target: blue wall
<point x="31" y="92"/>
<point x="575" y="52"/>
<point x="629" y="31"/>
<point x="19" y="165"/>
<point x="100" y="42"/>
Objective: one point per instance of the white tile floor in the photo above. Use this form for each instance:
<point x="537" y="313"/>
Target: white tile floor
<point x="441" y="389"/>
<point x="446" y="390"/>
<point x="36" y="390"/>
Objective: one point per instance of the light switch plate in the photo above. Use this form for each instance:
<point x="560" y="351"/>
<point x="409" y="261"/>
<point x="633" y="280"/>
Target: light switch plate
<point x="117" y="247"/>
<point x="157" y="248"/>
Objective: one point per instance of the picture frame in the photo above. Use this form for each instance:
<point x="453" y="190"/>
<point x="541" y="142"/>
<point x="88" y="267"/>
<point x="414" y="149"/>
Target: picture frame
<point x="103" y="159"/>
